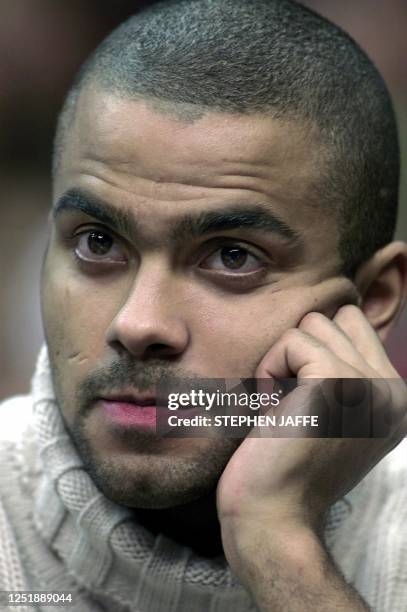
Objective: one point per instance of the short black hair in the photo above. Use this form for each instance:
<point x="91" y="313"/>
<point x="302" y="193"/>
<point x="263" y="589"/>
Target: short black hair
<point x="267" y="56"/>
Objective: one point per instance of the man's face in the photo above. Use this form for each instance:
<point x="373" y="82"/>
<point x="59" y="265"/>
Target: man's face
<point x="178" y="248"/>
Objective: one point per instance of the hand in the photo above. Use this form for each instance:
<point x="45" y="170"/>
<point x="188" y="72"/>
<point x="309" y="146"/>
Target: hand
<point x="287" y="484"/>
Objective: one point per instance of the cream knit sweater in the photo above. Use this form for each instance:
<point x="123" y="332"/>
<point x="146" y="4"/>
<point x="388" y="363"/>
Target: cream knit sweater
<point x="59" y="533"/>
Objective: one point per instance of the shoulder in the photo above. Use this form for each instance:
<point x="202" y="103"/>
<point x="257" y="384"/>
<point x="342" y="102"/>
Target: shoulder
<point x="379" y="530"/>
<point x="393" y="468"/>
<point x="19" y="458"/>
<point x="386" y="481"/>
<point x="15" y="416"/>
<point x="371" y="504"/>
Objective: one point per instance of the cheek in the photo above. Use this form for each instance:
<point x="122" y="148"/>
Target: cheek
<point x="235" y="334"/>
<point x="75" y="321"/>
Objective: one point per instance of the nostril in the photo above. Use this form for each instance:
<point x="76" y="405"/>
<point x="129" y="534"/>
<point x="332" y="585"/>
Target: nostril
<point x="161" y="349"/>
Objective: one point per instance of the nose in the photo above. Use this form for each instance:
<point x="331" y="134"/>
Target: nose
<point x="150" y="322"/>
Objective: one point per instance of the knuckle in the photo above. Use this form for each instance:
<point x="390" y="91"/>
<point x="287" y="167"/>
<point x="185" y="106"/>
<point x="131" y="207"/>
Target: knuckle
<point x="349" y="310"/>
<point x="292" y="334"/>
<point x="312" y="320"/>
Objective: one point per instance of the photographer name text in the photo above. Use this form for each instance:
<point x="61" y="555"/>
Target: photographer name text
<point x="258" y="420"/>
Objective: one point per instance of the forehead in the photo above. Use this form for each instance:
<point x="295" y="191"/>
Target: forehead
<point x="160" y="144"/>
<point x="137" y="152"/>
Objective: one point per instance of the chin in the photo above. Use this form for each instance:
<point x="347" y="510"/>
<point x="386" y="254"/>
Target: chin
<point x="155" y="483"/>
<point x="144" y="478"/>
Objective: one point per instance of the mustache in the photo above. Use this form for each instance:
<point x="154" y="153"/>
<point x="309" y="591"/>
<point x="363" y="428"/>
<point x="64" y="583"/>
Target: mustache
<point x="126" y="373"/>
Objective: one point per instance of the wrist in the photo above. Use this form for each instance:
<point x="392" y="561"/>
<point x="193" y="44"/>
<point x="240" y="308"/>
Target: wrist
<point x="284" y="566"/>
<point x="252" y="547"/>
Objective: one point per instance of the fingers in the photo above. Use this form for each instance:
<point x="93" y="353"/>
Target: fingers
<point x="299" y="354"/>
<point x="351" y="320"/>
<point x="344" y="347"/>
<point x="331" y="335"/>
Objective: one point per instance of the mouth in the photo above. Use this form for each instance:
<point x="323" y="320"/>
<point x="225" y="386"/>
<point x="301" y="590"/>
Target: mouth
<point x="129" y="409"/>
<point x="137" y="399"/>
<point x="136" y="410"/>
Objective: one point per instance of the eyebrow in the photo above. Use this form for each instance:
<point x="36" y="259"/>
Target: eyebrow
<point x="250" y="217"/>
<point x="256" y="217"/>
<point x="75" y="200"/>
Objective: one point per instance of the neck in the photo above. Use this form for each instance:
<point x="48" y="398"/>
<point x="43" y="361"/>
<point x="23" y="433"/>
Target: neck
<point x="194" y="524"/>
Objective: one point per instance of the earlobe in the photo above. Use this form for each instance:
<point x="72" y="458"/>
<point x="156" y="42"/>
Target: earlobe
<point x="382" y="282"/>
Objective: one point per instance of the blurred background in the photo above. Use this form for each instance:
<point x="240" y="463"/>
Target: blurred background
<point x="42" y="44"/>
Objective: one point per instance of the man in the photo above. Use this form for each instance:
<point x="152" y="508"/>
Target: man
<point x="225" y="195"/>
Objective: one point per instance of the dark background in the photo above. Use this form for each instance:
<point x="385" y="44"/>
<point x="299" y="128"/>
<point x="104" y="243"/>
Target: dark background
<point x="42" y="44"/>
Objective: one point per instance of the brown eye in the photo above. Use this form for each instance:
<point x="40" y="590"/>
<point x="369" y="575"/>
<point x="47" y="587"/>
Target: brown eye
<point x="233" y="258"/>
<point x="97" y="246"/>
<point x="99" y="243"/>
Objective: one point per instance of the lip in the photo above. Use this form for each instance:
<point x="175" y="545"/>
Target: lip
<point x="136" y="410"/>
<point x="122" y="413"/>
<point x="138" y="399"/>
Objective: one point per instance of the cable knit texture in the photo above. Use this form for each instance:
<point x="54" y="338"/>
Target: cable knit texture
<point x="60" y="533"/>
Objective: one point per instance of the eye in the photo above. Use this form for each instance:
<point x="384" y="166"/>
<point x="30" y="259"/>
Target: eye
<point x="233" y="259"/>
<point x="99" y="246"/>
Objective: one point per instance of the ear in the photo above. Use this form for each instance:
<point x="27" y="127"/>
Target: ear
<point x="382" y="284"/>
